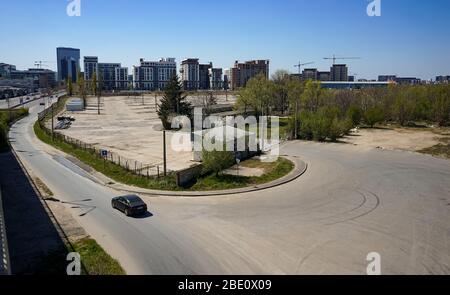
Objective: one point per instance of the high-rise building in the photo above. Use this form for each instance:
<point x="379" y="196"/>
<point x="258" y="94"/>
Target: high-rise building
<point x="68" y="60"/>
<point x="339" y="73"/>
<point x="215" y="78"/>
<point x="323" y="76"/>
<point x="203" y="73"/>
<point x="90" y="67"/>
<point x="121" y="78"/>
<point x="242" y="72"/>
<point x="226" y="79"/>
<point x="309" y="74"/>
<point x="6" y="69"/>
<point x="107" y="75"/>
<point x="154" y="75"/>
<point x="190" y="73"/>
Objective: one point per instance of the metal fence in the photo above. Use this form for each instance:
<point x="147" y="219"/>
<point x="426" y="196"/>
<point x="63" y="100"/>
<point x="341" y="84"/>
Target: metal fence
<point x="133" y="166"/>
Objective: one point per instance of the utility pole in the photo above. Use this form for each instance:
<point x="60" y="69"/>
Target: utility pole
<point x="53" y="127"/>
<point x="9" y="108"/>
<point x="296" y="124"/>
<point x="164" y="152"/>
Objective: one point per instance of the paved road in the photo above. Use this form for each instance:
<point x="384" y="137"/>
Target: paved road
<point x="350" y="202"/>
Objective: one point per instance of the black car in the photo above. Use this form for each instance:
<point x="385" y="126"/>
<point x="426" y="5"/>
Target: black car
<point x="130" y="205"/>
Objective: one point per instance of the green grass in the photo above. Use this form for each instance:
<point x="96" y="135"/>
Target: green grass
<point x="95" y="260"/>
<point x="7" y="118"/>
<point x="272" y="171"/>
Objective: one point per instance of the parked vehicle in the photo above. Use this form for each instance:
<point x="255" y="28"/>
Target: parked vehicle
<point x="131" y="205"/>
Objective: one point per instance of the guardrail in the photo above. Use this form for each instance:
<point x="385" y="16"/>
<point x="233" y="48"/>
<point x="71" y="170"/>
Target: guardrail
<point x="5" y="267"/>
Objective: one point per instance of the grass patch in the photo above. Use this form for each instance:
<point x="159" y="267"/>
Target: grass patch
<point x="6" y="118"/>
<point x="95" y="260"/>
<point x="441" y="150"/>
<point x="272" y="171"/>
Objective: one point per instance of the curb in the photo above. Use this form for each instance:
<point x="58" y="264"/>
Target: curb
<point x="299" y="169"/>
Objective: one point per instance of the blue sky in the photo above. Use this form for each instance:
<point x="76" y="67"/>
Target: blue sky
<point x="410" y="38"/>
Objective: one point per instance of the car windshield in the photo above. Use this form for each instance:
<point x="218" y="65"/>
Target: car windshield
<point x="134" y="200"/>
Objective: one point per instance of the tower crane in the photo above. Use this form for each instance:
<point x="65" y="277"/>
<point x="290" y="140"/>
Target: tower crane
<point x="334" y="58"/>
<point x="300" y="65"/>
<point x="41" y="63"/>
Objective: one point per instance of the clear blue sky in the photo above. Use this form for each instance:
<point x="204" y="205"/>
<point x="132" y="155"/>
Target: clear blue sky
<point x="411" y="38"/>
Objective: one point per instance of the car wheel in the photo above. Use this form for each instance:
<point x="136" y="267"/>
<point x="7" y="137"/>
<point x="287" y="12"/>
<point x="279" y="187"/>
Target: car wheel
<point x="127" y="212"/>
<point x="113" y="205"/>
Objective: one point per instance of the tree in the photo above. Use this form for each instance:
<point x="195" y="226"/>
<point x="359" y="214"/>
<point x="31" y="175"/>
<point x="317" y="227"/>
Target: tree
<point x="216" y="161"/>
<point x="280" y="80"/>
<point x="173" y="103"/>
<point x="373" y="115"/>
<point x="257" y="94"/>
<point x="311" y="96"/>
<point x="69" y="86"/>
<point x="354" y="114"/>
<point x="295" y="90"/>
<point x="82" y="91"/>
<point x="208" y="100"/>
<point x="94" y="84"/>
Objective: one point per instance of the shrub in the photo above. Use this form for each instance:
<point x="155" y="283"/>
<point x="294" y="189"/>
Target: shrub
<point x="373" y="116"/>
<point x="216" y="161"/>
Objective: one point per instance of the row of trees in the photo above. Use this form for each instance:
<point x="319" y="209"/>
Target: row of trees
<point x="320" y="114"/>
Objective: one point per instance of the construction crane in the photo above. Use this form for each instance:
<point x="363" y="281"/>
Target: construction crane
<point x="41" y="63"/>
<point x="300" y="65"/>
<point x="334" y="58"/>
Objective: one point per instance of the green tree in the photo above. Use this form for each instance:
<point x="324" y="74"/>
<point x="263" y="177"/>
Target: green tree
<point x="295" y="90"/>
<point x="173" y="103"/>
<point x="94" y="84"/>
<point x="280" y="80"/>
<point x="311" y="96"/>
<point x="258" y="94"/>
<point x="82" y="91"/>
<point x="373" y="115"/>
<point x="354" y="114"/>
<point x="216" y="161"/>
<point x="69" y="86"/>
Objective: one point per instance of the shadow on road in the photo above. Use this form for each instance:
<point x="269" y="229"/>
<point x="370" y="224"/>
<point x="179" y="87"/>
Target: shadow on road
<point x="35" y="246"/>
<point x="143" y="216"/>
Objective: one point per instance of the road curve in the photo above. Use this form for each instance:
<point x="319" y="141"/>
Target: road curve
<point x="350" y="202"/>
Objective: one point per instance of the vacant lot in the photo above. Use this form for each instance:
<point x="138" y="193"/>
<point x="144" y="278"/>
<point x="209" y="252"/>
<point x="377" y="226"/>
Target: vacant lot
<point x="129" y="127"/>
<point x="406" y="139"/>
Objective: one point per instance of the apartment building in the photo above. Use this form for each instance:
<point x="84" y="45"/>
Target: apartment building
<point x="154" y="75"/>
<point x="242" y="72"/>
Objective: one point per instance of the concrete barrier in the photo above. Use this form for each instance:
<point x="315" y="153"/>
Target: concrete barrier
<point x="5" y="268"/>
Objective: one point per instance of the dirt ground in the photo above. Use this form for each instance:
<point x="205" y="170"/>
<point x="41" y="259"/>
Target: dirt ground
<point x="130" y="128"/>
<point x="393" y="138"/>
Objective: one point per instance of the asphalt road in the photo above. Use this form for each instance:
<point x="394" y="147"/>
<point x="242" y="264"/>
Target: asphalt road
<point x="349" y="203"/>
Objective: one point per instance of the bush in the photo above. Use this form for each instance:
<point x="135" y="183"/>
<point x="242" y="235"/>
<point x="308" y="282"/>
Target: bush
<point x="373" y="116"/>
<point x="216" y="161"/>
<point x="354" y="114"/>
